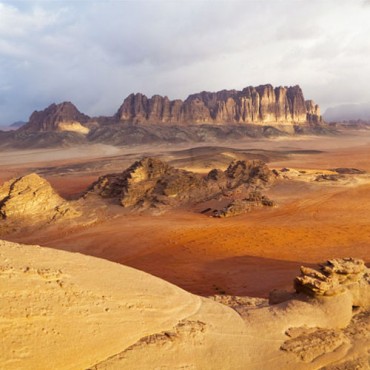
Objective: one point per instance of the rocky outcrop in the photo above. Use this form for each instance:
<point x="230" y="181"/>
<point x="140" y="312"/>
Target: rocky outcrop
<point x="32" y="198"/>
<point x="57" y="117"/>
<point x="335" y="277"/>
<point x="240" y="206"/>
<point x="340" y="289"/>
<point x="151" y="183"/>
<point x="257" y="105"/>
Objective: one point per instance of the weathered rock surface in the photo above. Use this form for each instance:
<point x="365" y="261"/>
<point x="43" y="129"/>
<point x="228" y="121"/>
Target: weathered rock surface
<point x="240" y="206"/>
<point x="151" y="183"/>
<point x="312" y="343"/>
<point x="57" y="117"/>
<point x="341" y="288"/>
<point x="335" y="277"/>
<point x="263" y="104"/>
<point x="33" y="199"/>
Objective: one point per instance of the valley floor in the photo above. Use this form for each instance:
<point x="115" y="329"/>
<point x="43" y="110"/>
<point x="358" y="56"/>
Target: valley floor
<point x="245" y="255"/>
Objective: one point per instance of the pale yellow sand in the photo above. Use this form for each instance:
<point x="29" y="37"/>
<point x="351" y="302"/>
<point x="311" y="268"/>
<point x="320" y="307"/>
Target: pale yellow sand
<point x="62" y="310"/>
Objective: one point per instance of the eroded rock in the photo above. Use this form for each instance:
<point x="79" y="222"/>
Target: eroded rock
<point x="32" y="198"/>
<point x="311" y="343"/>
<point x="241" y="206"/>
<point x="152" y="183"/>
<point x="337" y="276"/>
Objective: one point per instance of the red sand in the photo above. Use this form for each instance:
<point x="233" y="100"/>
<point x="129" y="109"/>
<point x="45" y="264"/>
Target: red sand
<point x="245" y="255"/>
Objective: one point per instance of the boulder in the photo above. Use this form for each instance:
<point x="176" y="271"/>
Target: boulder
<point x="33" y="199"/>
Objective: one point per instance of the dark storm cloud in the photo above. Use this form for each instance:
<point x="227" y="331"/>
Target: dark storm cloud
<point x="94" y="53"/>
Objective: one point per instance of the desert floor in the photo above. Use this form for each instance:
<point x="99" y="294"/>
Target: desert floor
<point x="245" y="255"/>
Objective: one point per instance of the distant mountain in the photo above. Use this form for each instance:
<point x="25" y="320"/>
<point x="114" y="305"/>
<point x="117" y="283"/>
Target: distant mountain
<point x="263" y="104"/>
<point x="17" y="124"/>
<point x="348" y="112"/>
<point x="228" y="114"/>
<point x="57" y="117"/>
<point x="12" y="126"/>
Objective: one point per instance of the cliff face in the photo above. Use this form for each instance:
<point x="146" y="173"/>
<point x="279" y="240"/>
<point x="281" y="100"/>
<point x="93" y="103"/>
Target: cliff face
<point x="62" y="117"/>
<point x="260" y="105"/>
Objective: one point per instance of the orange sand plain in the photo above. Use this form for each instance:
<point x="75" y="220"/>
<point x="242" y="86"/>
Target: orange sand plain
<point x="244" y="255"/>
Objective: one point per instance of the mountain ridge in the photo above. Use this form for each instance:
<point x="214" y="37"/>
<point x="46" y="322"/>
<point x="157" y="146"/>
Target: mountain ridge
<point x="262" y="111"/>
<point x="263" y="105"/>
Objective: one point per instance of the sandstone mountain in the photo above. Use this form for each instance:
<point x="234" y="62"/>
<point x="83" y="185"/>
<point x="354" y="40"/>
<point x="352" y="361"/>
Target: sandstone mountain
<point x="262" y="105"/>
<point x="261" y="111"/>
<point x="123" y="318"/>
<point x="257" y="105"/>
<point x="57" y="117"/>
<point x="151" y="183"/>
<point x="31" y="199"/>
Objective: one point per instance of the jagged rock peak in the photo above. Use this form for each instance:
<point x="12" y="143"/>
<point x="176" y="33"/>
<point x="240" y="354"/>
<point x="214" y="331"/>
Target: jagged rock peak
<point x="32" y="198"/>
<point x="148" y="183"/>
<point x="263" y="104"/>
<point x="57" y="117"/>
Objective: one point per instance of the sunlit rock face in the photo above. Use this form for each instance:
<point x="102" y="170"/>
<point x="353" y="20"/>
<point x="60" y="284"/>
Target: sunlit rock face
<point x="335" y="277"/>
<point x="260" y="105"/>
<point x="31" y="198"/>
<point x="57" y="117"/>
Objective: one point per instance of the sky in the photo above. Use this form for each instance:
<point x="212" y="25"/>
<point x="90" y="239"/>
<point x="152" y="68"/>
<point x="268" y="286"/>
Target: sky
<point x="95" y="53"/>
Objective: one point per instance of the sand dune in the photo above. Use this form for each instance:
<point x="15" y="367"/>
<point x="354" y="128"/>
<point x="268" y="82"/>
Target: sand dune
<point x="68" y="311"/>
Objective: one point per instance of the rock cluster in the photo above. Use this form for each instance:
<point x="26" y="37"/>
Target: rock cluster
<point x="335" y="277"/>
<point x="152" y="183"/>
<point x="240" y="206"/>
<point x="262" y="105"/>
<point x="32" y="198"/>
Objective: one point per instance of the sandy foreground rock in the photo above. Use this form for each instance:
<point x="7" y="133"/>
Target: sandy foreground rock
<point x="31" y="198"/>
<point x="62" y="310"/>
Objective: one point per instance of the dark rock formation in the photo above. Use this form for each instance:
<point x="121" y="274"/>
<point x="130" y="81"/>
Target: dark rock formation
<point x="151" y="183"/>
<point x="240" y="206"/>
<point x="50" y="118"/>
<point x="329" y="177"/>
<point x="259" y="105"/>
<point x="348" y="171"/>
